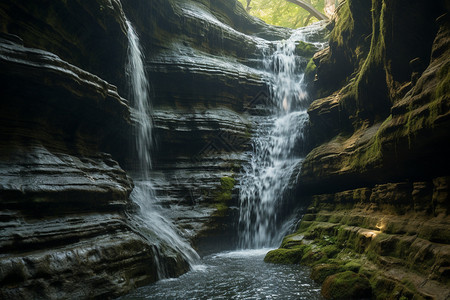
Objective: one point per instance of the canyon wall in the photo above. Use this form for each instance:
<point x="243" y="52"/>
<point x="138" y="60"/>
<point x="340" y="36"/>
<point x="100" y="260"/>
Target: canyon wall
<point x="67" y="137"/>
<point x="378" y="177"/>
<point x="204" y="67"/>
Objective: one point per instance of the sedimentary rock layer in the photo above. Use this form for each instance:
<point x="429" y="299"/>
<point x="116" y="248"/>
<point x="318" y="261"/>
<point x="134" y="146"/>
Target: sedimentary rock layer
<point x="62" y="195"/>
<point x="67" y="136"/>
<point x="203" y="62"/>
<point x="378" y="176"/>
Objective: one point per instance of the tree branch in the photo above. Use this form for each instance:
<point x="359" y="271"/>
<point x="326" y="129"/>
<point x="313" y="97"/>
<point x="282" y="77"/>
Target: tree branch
<point x="248" y="5"/>
<point x="307" y="20"/>
<point x="314" y="12"/>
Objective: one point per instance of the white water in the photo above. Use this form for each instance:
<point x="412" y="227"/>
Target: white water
<point x="148" y="220"/>
<point x="243" y="274"/>
<point x="277" y="148"/>
<point x="139" y="96"/>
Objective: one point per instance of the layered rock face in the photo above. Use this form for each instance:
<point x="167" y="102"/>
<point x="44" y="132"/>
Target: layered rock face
<point x="63" y="194"/>
<point x="378" y="177"/>
<point x="65" y="128"/>
<point x="202" y="60"/>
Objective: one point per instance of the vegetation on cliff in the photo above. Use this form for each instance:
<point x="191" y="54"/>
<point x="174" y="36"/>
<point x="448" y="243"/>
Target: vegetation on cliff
<point x="377" y="180"/>
<point x="378" y="176"/>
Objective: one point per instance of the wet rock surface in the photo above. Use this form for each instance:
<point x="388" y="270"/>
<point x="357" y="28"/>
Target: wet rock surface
<point x="66" y="133"/>
<point x="204" y="66"/>
<point x="90" y="35"/>
<point x="381" y="158"/>
<point x="63" y="231"/>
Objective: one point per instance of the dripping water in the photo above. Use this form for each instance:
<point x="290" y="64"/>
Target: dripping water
<point x="278" y="148"/>
<point x="148" y="220"/>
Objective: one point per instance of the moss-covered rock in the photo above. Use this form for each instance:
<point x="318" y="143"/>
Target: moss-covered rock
<point x="377" y="236"/>
<point x="379" y="146"/>
<point x="305" y="50"/>
<point x="321" y="271"/>
<point x="223" y="195"/>
<point x="310" y="71"/>
<point x="346" y="286"/>
<point x="376" y="179"/>
<point x="284" y="256"/>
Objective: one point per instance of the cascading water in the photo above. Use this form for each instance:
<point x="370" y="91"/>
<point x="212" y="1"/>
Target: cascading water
<point x="277" y="147"/>
<point x="243" y="274"/>
<point x="139" y="94"/>
<point x="148" y="220"/>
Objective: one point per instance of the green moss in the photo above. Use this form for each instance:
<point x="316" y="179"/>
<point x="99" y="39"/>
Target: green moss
<point x="370" y="89"/>
<point x="227" y="183"/>
<point x="335" y="218"/>
<point x="305" y="49"/>
<point x="344" y="25"/>
<point x="291" y="241"/>
<point x="369" y="154"/>
<point x="346" y="285"/>
<point x="223" y="193"/>
<point x="384" y="287"/>
<point x="313" y="256"/>
<point x="423" y="117"/>
<point x="322" y="218"/>
<point x="353" y="266"/>
<point x="330" y="250"/>
<point x="409" y="285"/>
<point x="221" y="209"/>
<point x="284" y="256"/>
<point x="373" y="151"/>
<point x="321" y="271"/>
<point x="342" y="235"/>
<point x="310" y="67"/>
<point x="304" y="225"/>
<point x="309" y="217"/>
<point x="328" y="240"/>
<point x="443" y="87"/>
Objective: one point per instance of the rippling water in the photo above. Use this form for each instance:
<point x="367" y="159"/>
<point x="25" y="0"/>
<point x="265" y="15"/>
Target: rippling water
<point x="235" y="275"/>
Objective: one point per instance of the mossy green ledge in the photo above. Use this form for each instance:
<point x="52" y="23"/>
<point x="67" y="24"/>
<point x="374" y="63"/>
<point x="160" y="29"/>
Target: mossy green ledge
<point x="377" y="180"/>
<point x="379" y="238"/>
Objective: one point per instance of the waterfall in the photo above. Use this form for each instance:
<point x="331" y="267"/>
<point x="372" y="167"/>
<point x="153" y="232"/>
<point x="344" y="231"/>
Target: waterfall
<point x="277" y="147"/>
<point x="148" y="219"/>
<point x="139" y="95"/>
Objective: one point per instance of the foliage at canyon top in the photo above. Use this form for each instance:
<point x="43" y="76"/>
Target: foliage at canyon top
<point x="286" y="14"/>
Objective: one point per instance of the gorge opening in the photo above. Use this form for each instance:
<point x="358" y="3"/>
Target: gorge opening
<point x="265" y="212"/>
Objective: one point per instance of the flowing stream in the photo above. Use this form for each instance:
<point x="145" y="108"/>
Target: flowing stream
<point x="235" y="275"/>
<point x="276" y="156"/>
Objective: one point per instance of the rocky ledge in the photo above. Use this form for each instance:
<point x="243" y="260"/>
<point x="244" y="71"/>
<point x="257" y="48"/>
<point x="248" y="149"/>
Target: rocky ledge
<point x="377" y="180"/>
